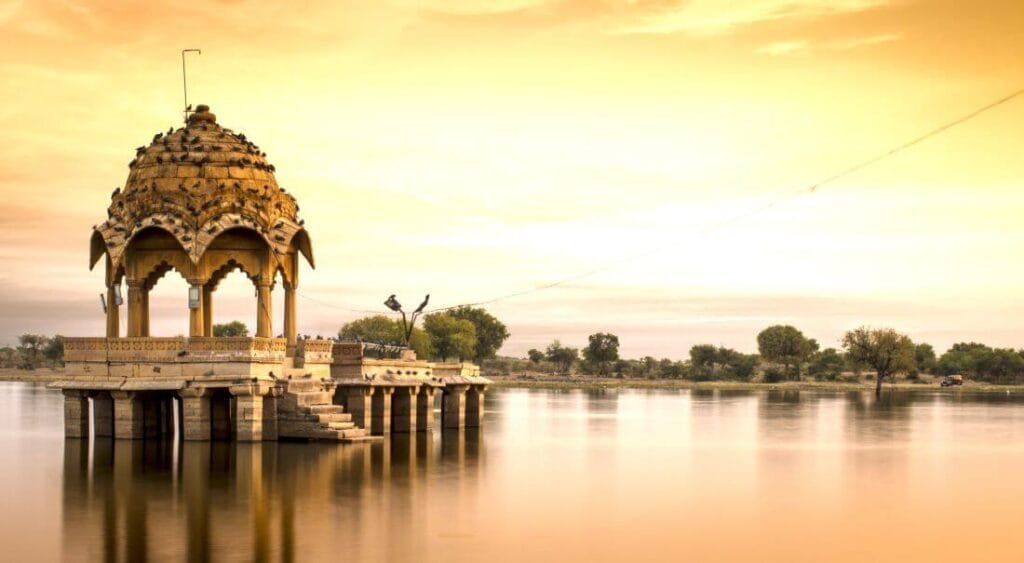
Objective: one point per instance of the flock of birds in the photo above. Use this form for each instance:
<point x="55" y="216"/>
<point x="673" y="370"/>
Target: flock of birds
<point x="199" y="203"/>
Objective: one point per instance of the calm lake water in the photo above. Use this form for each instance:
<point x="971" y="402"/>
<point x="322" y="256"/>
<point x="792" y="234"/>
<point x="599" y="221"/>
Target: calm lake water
<point x="554" y="475"/>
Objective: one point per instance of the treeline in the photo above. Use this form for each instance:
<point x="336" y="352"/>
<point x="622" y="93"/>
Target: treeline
<point x="463" y="333"/>
<point x="784" y="354"/>
<point x="33" y="351"/>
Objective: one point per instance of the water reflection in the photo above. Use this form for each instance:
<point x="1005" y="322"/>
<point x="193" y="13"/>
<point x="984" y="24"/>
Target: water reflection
<point x="133" y="500"/>
<point x="570" y="475"/>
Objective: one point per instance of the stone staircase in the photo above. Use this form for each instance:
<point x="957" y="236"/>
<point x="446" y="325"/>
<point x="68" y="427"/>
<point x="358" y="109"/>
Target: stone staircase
<point x="305" y="412"/>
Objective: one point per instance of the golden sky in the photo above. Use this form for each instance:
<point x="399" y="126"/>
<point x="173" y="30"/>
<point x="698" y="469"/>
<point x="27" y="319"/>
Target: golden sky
<point x="477" y="148"/>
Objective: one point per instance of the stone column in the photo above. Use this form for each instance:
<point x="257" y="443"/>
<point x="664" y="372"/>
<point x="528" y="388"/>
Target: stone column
<point x="403" y="409"/>
<point x="196" y="326"/>
<point x="128" y="416"/>
<point x="425" y="408"/>
<point x="358" y="401"/>
<point x="248" y="412"/>
<point x="380" y="415"/>
<point x="144" y="320"/>
<point x="270" y="401"/>
<point x="76" y="414"/>
<point x="475" y="406"/>
<point x="290" y="329"/>
<point x="134" y="307"/>
<point x="264" y="313"/>
<point x="103" y="415"/>
<point x="113" y="314"/>
<point x="453" y="406"/>
<point x="207" y="310"/>
<point x="195" y="413"/>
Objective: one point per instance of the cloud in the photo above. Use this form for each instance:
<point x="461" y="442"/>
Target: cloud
<point x="804" y="46"/>
<point x="711" y="17"/>
<point x="783" y="48"/>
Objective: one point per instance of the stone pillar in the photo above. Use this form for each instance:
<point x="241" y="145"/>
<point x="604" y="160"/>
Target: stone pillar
<point x="475" y="406"/>
<point x="270" y="401"/>
<point x="113" y="314"/>
<point x="76" y="414"/>
<point x="425" y="409"/>
<point x="248" y="412"/>
<point x="196" y="326"/>
<point x="195" y="413"/>
<point x="103" y="415"/>
<point x="134" y="307"/>
<point x="380" y="414"/>
<point x="207" y="310"/>
<point x="290" y="328"/>
<point x="403" y="409"/>
<point x="264" y="313"/>
<point x="128" y="416"/>
<point x="144" y="320"/>
<point x="453" y="406"/>
<point x="357" y="400"/>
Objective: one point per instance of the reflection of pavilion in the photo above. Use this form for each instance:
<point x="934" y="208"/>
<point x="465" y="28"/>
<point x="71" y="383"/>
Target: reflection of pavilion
<point x="132" y="500"/>
<point x="203" y="200"/>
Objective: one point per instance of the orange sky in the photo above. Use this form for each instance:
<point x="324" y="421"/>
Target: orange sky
<point x="472" y="149"/>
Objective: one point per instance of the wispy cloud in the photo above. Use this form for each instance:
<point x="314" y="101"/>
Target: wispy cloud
<point x="804" y="46"/>
<point x="710" y="17"/>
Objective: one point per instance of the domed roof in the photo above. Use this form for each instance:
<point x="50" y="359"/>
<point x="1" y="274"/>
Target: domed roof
<point x="196" y="182"/>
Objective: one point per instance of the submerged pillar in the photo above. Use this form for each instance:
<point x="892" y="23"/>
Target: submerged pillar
<point x="76" y="414"/>
<point x="195" y="413"/>
<point x="403" y="409"/>
<point x="380" y="415"/>
<point x="102" y="415"/>
<point x="425" y="408"/>
<point x="453" y="406"/>
<point x="270" y="401"/>
<point x="248" y="412"/>
<point x="358" y="401"/>
<point x="474" y="406"/>
<point x="128" y="416"/>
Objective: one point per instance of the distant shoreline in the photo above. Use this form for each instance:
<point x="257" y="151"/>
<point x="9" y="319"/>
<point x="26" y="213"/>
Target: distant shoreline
<point x="597" y="383"/>
<point x="586" y="382"/>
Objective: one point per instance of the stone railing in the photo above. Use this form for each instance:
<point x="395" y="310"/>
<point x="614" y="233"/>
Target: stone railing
<point x="457" y="369"/>
<point x="315" y="351"/>
<point x="150" y="349"/>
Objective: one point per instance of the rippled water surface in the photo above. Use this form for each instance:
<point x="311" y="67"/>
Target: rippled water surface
<point x="554" y="475"/>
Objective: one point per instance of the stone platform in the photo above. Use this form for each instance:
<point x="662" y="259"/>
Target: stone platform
<point x="252" y="389"/>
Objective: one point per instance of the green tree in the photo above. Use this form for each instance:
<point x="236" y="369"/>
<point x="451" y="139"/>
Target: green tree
<point x="962" y="358"/>
<point x="602" y="349"/>
<point x="924" y="359"/>
<point x="54" y="350"/>
<point x="450" y="337"/>
<point x="703" y="358"/>
<point x="30" y="350"/>
<point x="385" y="336"/>
<point x="562" y="356"/>
<point x="536" y="356"/>
<point x="490" y="332"/>
<point x="883" y="350"/>
<point x="1000" y="365"/>
<point x="826" y="365"/>
<point x="233" y="328"/>
<point x="784" y="344"/>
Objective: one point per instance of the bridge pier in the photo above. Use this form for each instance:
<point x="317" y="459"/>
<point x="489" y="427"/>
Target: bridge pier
<point x="453" y="406"/>
<point x="195" y="413"/>
<point x="102" y="415"/>
<point x="403" y="409"/>
<point x="380" y="415"/>
<point x="76" y="414"/>
<point x="425" y="408"/>
<point x="474" y="407"/>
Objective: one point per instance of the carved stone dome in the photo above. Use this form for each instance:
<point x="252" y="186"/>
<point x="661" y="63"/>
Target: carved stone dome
<point x="194" y="183"/>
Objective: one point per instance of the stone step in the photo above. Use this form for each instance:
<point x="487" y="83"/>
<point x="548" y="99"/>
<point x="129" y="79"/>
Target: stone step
<point x="333" y="417"/>
<point x="310" y="399"/>
<point x="323" y="409"/>
<point x="340" y="425"/>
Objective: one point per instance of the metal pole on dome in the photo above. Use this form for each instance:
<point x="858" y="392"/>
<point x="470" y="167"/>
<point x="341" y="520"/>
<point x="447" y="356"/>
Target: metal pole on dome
<point x="184" y="82"/>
